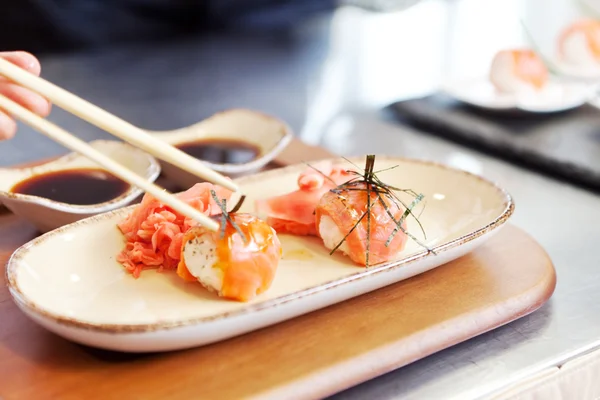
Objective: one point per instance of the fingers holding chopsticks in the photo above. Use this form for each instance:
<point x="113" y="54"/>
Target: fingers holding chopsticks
<point x="112" y="124"/>
<point x="22" y="59"/>
<point x="28" y="99"/>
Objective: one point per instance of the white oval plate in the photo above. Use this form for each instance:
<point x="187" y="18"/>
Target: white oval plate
<point x="556" y="97"/>
<point x="69" y="282"/>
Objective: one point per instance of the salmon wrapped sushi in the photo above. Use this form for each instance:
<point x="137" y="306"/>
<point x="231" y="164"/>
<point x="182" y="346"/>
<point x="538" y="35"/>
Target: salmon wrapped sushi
<point x="238" y="263"/>
<point x="518" y="70"/>
<point x="367" y="237"/>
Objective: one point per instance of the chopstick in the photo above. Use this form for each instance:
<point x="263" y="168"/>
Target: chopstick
<point x="114" y="125"/>
<point x="66" y="139"/>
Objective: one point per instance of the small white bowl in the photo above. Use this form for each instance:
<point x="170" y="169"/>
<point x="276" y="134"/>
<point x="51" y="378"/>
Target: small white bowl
<point x="557" y="96"/>
<point x="48" y="214"/>
<point x="268" y="134"/>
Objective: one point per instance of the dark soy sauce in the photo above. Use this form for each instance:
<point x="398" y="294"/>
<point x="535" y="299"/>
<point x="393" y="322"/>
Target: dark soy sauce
<point x="221" y="151"/>
<point x="74" y="186"/>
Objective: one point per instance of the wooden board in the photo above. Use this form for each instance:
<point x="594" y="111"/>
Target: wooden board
<point x="308" y="357"/>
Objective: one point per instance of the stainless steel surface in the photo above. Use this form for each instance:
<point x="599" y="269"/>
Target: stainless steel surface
<point x="565" y="220"/>
<point x="328" y="80"/>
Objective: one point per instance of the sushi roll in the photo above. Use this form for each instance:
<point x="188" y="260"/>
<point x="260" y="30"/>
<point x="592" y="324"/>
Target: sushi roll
<point x="338" y="218"/>
<point x="363" y="220"/>
<point x="519" y="70"/>
<point x="579" y="44"/>
<point x="237" y="263"/>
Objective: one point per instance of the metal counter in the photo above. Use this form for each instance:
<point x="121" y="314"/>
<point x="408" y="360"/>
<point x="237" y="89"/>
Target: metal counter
<point x="329" y="79"/>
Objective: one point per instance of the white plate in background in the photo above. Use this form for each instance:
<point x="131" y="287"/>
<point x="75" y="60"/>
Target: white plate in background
<point x="555" y="97"/>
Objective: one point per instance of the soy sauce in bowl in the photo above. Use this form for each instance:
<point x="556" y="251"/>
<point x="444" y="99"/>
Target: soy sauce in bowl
<point x="221" y="151"/>
<point x="86" y="186"/>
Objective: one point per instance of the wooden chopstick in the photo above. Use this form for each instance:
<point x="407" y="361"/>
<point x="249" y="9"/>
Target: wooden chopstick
<point x="66" y="139"/>
<point x="114" y="125"/>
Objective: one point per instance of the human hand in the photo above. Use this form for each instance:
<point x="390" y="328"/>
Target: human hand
<point x="28" y="99"/>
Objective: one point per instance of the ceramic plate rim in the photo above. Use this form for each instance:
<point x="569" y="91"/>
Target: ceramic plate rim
<point x="13" y="264"/>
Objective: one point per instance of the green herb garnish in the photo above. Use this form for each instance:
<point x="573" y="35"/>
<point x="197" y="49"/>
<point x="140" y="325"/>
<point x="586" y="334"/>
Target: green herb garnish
<point x="226" y="218"/>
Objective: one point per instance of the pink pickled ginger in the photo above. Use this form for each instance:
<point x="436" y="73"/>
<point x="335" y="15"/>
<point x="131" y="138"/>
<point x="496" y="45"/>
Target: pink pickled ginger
<point x="154" y="232"/>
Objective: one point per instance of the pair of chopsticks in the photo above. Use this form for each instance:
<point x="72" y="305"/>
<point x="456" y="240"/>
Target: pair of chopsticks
<point x="116" y="126"/>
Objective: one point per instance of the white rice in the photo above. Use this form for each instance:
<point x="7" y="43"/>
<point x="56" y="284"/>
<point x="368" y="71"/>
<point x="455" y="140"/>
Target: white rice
<point x="331" y="235"/>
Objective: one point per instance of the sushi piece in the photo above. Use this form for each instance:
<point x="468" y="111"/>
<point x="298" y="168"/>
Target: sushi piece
<point x="341" y="225"/>
<point x="519" y="70"/>
<point x="352" y="212"/>
<point x="363" y="219"/>
<point x="579" y="44"/>
<point x="154" y="232"/>
<point x="237" y="263"/>
<point x="294" y="212"/>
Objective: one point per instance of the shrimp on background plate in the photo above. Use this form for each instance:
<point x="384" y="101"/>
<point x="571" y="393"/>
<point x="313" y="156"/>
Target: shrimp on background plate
<point x="579" y="43"/>
<point x="518" y="70"/>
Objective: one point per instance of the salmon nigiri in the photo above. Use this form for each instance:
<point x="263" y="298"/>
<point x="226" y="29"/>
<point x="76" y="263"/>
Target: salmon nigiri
<point x="238" y="263"/>
<point x="516" y="70"/>
<point x="295" y="212"/>
<point x="367" y="236"/>
<point x="579" y="43"/>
